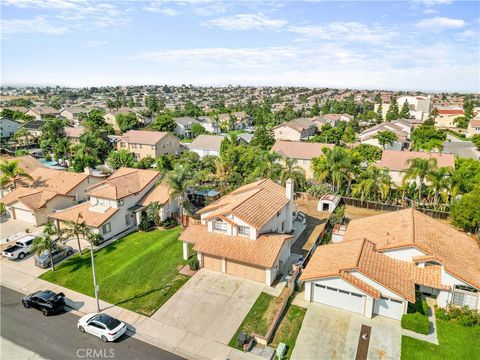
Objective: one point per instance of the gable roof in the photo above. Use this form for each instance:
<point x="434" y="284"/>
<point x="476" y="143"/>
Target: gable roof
<point x="398" y="160"/>
<point x="299" y="150"/>
<point x="143" y="137"/>
<point x="458" y="252"/>
<point x="34" y="199"/>
<point x="255" y="203"/>
<point x="74" y="132"/>
<point x="27" y="162"/>
<point x="186" y="120"/>
<point x="299" y="124"/>
<point x="90" y="217"/>
<point x="160" y="194"/>
<point x="123" y="182"/>
<point x="260" y="252"/>
<point x="207" y="142"/>
<point x="56" y="180"/>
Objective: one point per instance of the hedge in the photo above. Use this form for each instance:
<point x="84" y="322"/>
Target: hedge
<point x="416" y="322"/>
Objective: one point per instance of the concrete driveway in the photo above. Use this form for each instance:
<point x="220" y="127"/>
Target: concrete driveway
<point x="329" y="333"/>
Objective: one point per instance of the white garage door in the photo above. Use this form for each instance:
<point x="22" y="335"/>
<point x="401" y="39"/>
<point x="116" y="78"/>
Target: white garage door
<point x="24" y="215"/>
<point x="388" y="307"/>
<point x="339" y="298"/>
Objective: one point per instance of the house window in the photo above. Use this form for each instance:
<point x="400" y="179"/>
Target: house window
<point x="103" y="202"/>
<point x="283" y="226"/>
<point x="219" y="226"/>
<point x="244" y="230"/>
<point x="465" y="296"/>
<point x="127" y="219"/>
<point x="106" y="228"/>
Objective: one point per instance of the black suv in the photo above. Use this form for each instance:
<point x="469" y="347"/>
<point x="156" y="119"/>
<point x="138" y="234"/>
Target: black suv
<point x="46" y="301"/>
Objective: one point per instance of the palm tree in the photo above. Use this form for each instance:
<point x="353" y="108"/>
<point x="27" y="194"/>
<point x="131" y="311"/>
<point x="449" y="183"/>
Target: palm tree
<point x="271" y="166"/>
<point x="44" y="243"/>
<point x="419" y="168"/>
<point x="179" y="181"/>
<point x="376" y="183"/>
<point x="75" y="229"/>
<point x="12" y="172"/>
<point x="331" y="166"/>
<point x="153" y="212"/>
<point x="292" y="171"/>
<point x="439" y="182"/>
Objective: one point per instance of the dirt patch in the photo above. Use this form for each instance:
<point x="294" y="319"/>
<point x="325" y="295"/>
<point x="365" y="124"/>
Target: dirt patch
<point x="354" y="213"/>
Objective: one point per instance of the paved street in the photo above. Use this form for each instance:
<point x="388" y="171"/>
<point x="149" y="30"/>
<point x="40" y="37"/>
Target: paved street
<point x="57" y="337"/>
<point x="462" y="148"/>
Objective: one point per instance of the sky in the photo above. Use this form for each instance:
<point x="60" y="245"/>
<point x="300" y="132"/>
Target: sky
<point x="427" y="45"/>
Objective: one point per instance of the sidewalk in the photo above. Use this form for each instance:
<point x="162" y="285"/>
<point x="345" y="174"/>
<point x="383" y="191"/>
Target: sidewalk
<point x="11" y="351"/>
<point x="431" y="337"/>
<point x="141" y="327"/>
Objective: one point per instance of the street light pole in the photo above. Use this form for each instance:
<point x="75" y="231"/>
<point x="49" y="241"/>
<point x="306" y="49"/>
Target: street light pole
<point x="95" y="286"/>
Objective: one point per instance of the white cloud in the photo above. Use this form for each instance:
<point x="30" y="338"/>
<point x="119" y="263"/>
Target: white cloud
<point x="157" y="7"/>
<point x="433" y="2"/>
<point x="44" y="4"/>
<point x="95" y="43"/>
<point x="345" y="31"/>
<point x="440" y="22"/>
<point x="430" y="11"/>
<point x="31" y="26"/>
<point x="246" y="22"/>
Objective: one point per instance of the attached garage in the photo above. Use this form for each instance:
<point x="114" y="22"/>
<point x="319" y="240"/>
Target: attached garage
<point x="388" y="307"/>
<point x="338" y="298"/>
<point x="212" y="263"/>
<point x="24" y="215"/>
<point x="246" y="271"/>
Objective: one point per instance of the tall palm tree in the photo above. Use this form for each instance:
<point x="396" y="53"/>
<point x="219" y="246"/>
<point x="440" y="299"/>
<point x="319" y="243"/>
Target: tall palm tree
<point x="439" y="182"/>
<point x="271" y="166"/>
<point x="292" y="171"/>
<point x="179" y="181"/>
<point x="44" y="243"/>
<point x="376" y="183"/>
<point x="331" y="166"/>
<point x="419" y="168"/>
<point x="75" y="229"/>
<point x="11" y="172"/>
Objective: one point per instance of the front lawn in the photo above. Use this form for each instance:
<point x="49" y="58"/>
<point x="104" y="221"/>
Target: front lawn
<point x="260" y="317"/>
<point x="138" y="272"/>
<point x="455" y="342"/>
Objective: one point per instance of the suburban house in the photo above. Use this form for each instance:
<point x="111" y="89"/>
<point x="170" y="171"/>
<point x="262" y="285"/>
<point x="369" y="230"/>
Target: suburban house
<point x="381" y="261"/>
<point x="301" y="152"/>
<point x="50" y="190"/>
<point x="115" y="204"/>
<point x="41" y="112"/>
<point x="473" y="128"/>
<point x="160" y="194"/>
<point x="34" y="128"/>
<point x="206" y="145"/>
<point x="209" y="125"/>
<point x="27" y="163"/>
<point x="111" y="116"/>
<point x="148" y="143"/>
<point x="241" y="120"/>
<point x="333" y="119"/>
<point x="73" y="114"/>
<point x="245" y="233"/>
<point x="295" y="130"/>
<point x="369" y="136"/>
<point x="446" y="117"/>
<point x="74" y="133"/>
<point x="8" y="127"/>
<point x="419" y="106"/>
<point x="397" y="162"/>
<point x="184" y="125"/>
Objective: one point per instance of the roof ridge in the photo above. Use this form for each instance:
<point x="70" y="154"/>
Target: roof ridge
<point x="413" y="226"/>
<point x="360" y="253"/>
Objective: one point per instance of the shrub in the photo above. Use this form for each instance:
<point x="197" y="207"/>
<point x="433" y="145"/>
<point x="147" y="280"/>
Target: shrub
<point x="416" y="322"/>
<point x="441" y="314"/>
<point x="319" y="190"/>
<point x="462" y="315"/>
<point x="194" y="264"/>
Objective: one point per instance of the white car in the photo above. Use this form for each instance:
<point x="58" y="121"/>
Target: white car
<point x="104" y="326"/>
<point x="22" y="248"/>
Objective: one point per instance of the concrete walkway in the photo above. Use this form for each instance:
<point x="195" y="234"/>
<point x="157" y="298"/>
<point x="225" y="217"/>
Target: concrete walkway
<point x="11" y="350"/>
<point x="432" y="336"/>
<point x="153" y="331"/>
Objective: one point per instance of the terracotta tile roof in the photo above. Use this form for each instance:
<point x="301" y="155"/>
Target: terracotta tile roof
<point x="91" y="218"/>
<point x="34" y="199"/>
<point x="254" y="203"/>
<point x="28" y="163"/>
<point x="143" y="137"/>
<point x="359" y="284"/>
<point x="373" y="131"/>
<point x="55" y="180"/>
<point x="299" y="124"/>
<point x="123" y="182"/>
<point x="474" y="123"/>
<point x="207" y="142"/>
<point x="74" y="132"/>
<point x="450" y="112"/>
<point x="458" y="252"/>
<point x="398" y="160"/>
<point x="160" y="194"/>
<point x="261" y="252"/>
<point x="299" y="150"/>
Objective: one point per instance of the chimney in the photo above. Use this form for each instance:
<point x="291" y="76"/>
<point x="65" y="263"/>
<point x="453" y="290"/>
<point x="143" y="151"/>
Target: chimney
<point x="289" y="189"/>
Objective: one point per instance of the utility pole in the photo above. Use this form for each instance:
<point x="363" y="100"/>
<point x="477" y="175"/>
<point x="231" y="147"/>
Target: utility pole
<point x="95" y="286"/>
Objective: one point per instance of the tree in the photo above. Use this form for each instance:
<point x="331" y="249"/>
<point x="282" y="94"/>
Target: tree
<point x="11" y="172"/>
<point x="386" y="138"/>
<point x="144" y="163"/>
<point x="164" y="122"/>
<point x="349" y="136"/>
<point x="379" y="116"/>
<point x="392" y="113"/>
<point x="151" y="102"/>
<point x="292" y="171"/>
<point x="153" y="212"/>
<point x="374" y="183"/>
<point x="461" y="122"/>
<point x="75" y="229"/>
<point x="419" y="169"/>
<point x="120" y="158"/>
<point x="468" y="107"/>
<point x="127" y="121"/>
<point x="405" y="112"/>
<point x="197" y="129"/>
<point x="466" y="211"/>
<point x="44" y="243"/>
<point x="439" y="181"/>
<point x="332" y="166"/>
<point x="368" y="153"/>
<point x="269" y="166"/>
<point x="427" y="137"/>
<point x="263" y="138"/>
<point x="179" y="180"/>
<point x="95" y="120"/>
<point x="476" y="140"/>
<point x="52" y="131"/>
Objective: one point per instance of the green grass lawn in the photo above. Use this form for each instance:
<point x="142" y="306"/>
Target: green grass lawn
<point x="237" y="132"/>
<point x="261" y="316"/>
<point x="455" y="342"/>
<point x="138" y="272"/>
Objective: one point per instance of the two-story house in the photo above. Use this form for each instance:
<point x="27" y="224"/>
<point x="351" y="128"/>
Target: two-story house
<point x="206" y="145"/>
<point x="42" y="112"/>
<point x="295" y="130"/>
<point x="473" y="127"/>
<point x="381" y="261"/>
<point x="114" y="206"/>
<point x="245" y="233"/>
<point x="184" y="125"/>
<point x="148" y="143"/>
<point x="8" y="127"/>
<point x="73" y="114"/>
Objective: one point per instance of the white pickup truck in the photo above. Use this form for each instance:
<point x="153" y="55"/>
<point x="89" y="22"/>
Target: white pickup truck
<point x="21" y="248"/>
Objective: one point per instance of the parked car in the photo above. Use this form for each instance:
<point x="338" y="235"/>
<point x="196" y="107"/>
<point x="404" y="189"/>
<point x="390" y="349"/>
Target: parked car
<point x="43" y="260"/>
<point x="22" y="248"/>
<point x="104" y="326"/>
<point x="46" y="301"/>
